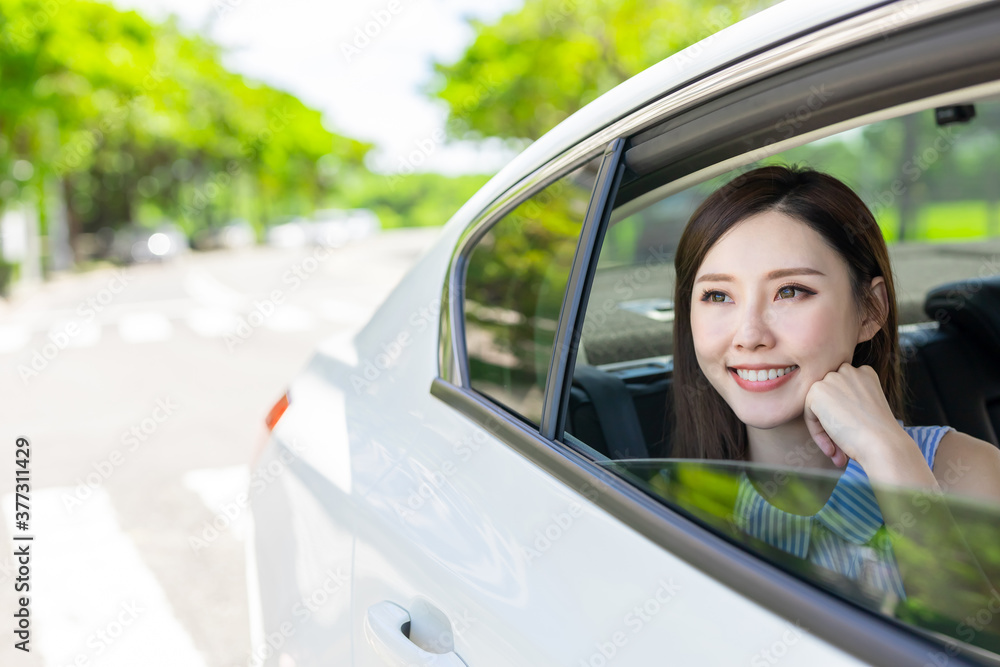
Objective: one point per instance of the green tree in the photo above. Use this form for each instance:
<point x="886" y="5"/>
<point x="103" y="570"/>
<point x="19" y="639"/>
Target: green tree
<point x="134" y="121"/>
<point x="534" y="67"/>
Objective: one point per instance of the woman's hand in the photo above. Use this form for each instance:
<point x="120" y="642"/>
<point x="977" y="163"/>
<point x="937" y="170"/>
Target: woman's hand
<point x="848" y="416"/>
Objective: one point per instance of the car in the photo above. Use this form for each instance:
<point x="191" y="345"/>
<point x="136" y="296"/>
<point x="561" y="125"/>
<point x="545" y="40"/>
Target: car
<point x="331" y="228"/>
<point x="233" y="235"/>
<point x="135" y="243"/>
<point x="483" y="475"/>
<point x="337" y="227"/>
<point x="290" y="233"/>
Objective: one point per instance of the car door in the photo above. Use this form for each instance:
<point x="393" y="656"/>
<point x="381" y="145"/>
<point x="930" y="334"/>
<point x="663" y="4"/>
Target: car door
<point x="486" y="556"/>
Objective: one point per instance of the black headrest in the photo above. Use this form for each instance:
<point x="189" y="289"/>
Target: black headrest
<point x="970" y="306"/>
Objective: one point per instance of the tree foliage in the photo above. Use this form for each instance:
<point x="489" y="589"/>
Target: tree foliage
<point x="534" y="67"/>
<point x="137" y="121"/>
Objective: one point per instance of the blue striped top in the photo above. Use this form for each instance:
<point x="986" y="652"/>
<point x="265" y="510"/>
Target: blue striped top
<point x="844" y="536"/>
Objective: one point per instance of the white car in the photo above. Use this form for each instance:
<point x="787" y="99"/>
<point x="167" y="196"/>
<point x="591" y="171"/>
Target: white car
<point x="482" y="476"/>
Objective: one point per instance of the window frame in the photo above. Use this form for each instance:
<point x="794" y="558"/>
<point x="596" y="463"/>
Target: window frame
<point x="452" y="353"/>
<point x="872" y="637"/>
<point x="568" y="331"/>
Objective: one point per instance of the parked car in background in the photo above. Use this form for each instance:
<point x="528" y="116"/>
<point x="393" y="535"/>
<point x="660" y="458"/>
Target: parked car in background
<point x="138" y="244"/>
<point x="337" y="227"/>
<point x="331" y="228"/>
<point x="483" y="475"/>
<point x="290" y="233"/>
<point x="235" y="234"/>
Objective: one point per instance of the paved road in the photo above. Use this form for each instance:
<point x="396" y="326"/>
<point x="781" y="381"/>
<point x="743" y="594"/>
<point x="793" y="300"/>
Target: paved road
<point x="143" y="393"/>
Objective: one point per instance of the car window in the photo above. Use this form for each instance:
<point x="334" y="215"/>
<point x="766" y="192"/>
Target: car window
<point x="930" y="178"/>
<point x="515" y="281"/>
<point x="938" y="569"/>
<point x="932" y="181"/>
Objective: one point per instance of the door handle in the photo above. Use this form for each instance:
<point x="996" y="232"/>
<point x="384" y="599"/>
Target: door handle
<point x="384" y="630"/>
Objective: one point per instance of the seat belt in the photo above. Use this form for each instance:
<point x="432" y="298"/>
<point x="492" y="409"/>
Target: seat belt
<point x="615" y="412"/>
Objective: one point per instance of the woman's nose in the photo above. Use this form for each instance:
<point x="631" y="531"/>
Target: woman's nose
<point x="753" y="329"/>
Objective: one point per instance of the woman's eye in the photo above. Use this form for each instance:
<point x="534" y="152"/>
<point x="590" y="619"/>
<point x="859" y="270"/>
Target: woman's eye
<point x="791" y="292"/>
<point x="714" y="297"/>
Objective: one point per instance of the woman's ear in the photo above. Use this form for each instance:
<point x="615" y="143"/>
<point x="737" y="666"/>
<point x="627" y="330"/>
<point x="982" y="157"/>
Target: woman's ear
<point x="873" y="320"/>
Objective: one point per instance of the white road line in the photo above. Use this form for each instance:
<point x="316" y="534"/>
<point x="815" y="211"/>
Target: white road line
<point x="87" y="334"/>
<point x="93" y="600"/>
<point x="288" y="318"/>
<point x="144" y="327"/>
<point x="212" y="322"/>
<point x="225" y="491"/>
<point x="13" y="337"/>
<point x="210" y="291"/>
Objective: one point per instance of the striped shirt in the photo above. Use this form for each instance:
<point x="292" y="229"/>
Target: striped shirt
<point x="845" y="535"/>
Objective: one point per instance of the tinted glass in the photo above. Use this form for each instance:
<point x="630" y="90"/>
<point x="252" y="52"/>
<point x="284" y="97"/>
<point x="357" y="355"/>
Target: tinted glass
<point x="937" y="568"/>
<point x="514" y="287"/>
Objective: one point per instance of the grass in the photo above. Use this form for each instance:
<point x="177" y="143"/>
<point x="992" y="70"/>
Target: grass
<point x="944" y="221"/>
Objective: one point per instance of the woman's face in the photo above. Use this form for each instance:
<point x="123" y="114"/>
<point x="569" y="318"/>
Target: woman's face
<point x="772" y="312"/>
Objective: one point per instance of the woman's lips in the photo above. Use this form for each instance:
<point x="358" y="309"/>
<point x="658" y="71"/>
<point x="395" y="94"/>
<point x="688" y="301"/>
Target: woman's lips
<point x="762" y="385"/>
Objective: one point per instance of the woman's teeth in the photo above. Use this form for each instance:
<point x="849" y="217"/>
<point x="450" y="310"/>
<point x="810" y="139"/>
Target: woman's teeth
<point x="764" y="373"/>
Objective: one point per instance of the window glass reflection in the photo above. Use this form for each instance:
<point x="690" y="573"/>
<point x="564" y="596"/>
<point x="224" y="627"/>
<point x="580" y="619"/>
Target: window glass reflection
<point x="515" y="283"/>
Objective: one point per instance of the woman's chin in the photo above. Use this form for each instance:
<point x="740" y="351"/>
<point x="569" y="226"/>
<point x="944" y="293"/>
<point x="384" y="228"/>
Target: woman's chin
<point x="765" y="420"/>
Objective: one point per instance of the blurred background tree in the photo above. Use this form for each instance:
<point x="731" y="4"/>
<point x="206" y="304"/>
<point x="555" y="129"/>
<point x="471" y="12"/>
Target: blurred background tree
<point x="108" y="119"/>
<point x="138" y="122"/>
<point x="534" y="67"/>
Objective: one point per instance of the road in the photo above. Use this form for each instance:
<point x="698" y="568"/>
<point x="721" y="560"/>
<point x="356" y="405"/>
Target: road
<point x="143" y="394"/>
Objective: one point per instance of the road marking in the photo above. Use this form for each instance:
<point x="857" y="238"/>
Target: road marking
<point x="222" y="489"/>
<point x="144" y="327"/>
<point x="87" y="334"/>
<point x="289" y="318"/>
<point x="210" y="291"/>
<point x="212" y="322"/>
<point x="93" y="600"/>
<point x="13" y="337"/>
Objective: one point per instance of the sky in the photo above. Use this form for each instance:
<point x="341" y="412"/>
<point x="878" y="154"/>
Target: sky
<point x="362" y="62"/>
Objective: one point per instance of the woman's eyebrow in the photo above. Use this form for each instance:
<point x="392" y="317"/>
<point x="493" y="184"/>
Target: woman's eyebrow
<point x="773" y="275"/>
<point x="800" y="271"/>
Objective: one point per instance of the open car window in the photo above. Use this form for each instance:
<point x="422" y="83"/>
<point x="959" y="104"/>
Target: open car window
<point x="932" y="179"/>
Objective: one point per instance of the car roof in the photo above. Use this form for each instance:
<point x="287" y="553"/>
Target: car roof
<point x="766" y="29"/>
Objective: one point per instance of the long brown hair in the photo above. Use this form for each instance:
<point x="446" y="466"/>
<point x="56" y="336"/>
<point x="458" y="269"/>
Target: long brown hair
<point x="705" y="425"/>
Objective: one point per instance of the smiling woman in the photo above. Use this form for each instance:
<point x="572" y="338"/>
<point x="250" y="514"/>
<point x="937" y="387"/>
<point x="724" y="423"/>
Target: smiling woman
<point x="786" y="307"/>
<point x="786" y="361"/>
<point x="791" y="272"/>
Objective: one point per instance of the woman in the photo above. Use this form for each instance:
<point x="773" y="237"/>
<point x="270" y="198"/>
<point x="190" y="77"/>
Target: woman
<point x="786" y="354"/>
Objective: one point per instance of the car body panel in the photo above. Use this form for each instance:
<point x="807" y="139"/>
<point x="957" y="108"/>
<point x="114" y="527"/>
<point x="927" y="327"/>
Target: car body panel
<point x="457" y="518"/>
<point x="435" y="508"/>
